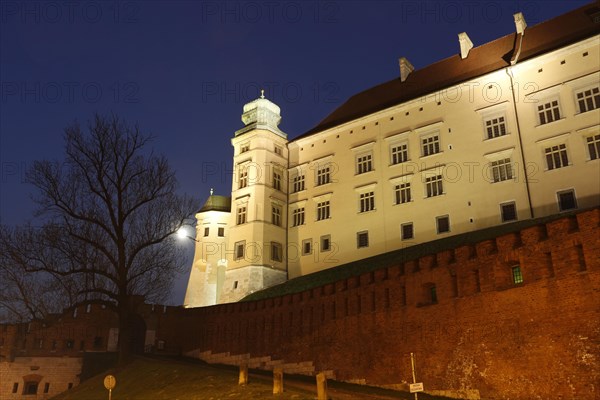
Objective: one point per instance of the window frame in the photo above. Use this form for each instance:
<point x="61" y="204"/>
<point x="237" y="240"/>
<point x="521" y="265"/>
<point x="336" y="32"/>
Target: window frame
<point x="434" y="181"/>
<point x="276" y="214"/>
<point x="404" y="153"/>
<point x="298" y="216"/>
<point x="240" y="245"/>
<point x="436" y="143"/>
<point x="362" y="239"/>
<point x="241" y="214"/>
<point x="593" y="142"/>
<point x="516" y="275"/>
<point x="276" y="252"/>
<point x="298" y="183"/>
<point x="323" y="210"/>
<point x="366" y="201"/>
<point x="561" y="151"/>
<point x="595" y="97"/>
<point x="490" y="118"/>
<point x="502" y="213"/>
<point x="307" y="247"/>
<point x="438" y="220"/>
<point x="545" y="101"/>
<point x="402" y="231"/>
<point x="323" y="174"/>
<point x="402" y="193"/>
<point x="325" y="239"/>
<point x="559" y="202"/>
<point x="363" y="162"/>
<point x="501" y="170"/>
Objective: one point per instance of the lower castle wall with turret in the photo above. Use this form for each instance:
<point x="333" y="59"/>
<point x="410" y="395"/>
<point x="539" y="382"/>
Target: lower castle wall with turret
<point x="485" y="335"/>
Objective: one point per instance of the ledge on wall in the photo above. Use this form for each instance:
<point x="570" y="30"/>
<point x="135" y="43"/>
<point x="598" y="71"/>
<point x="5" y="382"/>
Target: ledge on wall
<point x="386" y="260"/>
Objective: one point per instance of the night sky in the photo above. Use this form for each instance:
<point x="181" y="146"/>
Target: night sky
<point x="184" y="69"/>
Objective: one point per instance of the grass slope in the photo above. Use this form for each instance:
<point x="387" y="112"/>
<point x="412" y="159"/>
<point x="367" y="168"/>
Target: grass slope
<point x="158" y="379"/>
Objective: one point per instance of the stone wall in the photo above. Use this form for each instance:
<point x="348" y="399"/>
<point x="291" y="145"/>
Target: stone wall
<point x="53" y="375"/>
<point x="481" y="334"/>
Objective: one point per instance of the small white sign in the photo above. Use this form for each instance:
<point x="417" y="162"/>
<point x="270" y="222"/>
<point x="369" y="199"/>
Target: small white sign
<point x="416" y="387"/>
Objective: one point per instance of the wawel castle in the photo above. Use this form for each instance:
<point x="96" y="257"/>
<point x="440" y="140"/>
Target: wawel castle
<point x="502" y="132"/>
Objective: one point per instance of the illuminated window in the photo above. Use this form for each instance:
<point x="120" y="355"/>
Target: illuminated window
<point x="548" y="112"/>
<point x="501" y="170"/>
<point x="367" y="201"/>
<point x="399" y="153"/>
<point x="517" y="277"/>
<point x="323" y="210"/>
<point x="364" y="163"/>
<point x="434" y="186"/>
<point x="402" y="193"/>
<point x="589" y="99"/>
<point x="556" y="156"/>
<point x="495" y="127"/>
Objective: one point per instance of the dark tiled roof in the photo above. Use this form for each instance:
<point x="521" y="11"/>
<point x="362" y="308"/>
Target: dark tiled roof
<point x="541" y="38"/>
<point x="217" y="203"/>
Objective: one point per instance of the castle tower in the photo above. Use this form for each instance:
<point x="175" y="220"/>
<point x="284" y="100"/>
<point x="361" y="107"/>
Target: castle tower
<point x="257" y="236"/>
<point x="208" y="268"/>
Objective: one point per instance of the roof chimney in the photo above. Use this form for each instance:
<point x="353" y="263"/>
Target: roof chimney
<point x="405" y="68"/>
<point x="465" y="44"/>
<point x="520" y="23"/>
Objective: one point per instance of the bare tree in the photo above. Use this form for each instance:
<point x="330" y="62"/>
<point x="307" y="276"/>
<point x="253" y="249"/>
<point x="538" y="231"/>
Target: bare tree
<point x="110" y="211"/>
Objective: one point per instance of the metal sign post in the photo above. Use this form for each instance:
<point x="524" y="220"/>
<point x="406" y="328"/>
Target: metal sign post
<point x="109" y="383"/>
<point x="415" y="386"/>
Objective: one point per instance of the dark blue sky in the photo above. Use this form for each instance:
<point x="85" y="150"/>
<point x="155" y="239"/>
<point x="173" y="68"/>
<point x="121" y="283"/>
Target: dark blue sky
<point x="184" y="69"/>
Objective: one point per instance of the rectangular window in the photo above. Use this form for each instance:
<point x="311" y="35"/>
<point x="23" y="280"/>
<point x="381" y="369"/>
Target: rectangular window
<point x="323" y="210"/>
<point x="206" y="231"/>
<point x="243" y="179"/>
<point x="433" y="294"/>
<point x="306" y="246"/>
<point x="323" y="175"/>
<point x="407" y="231"/>
<point x="241" y="215"/>
<point x="244" y="147"/>
<point x="430" y="145"/>
<point x="367" y="201"/>
<point x="556" y="156"/>
<point x="221" y="232"/>
<point x="495" y="127"/>
<point x="364" y="163"/>
<point x="517" y="277"/>
<point x="276" y="251"/>
<point x="593" y="143"/>
<point x="443" y="224"/>
<point x="298" y="183"/>
<point x="240" y="248"/>
<point x="277" y="180"/>
<point x="46" y="387"/>
<point x="278" y="150"/>
<point x="548" y="112"/>
<point x="566" y="200"/>
<point x="298" y="216"/>
<point x="276" y="214"/>
<point x="588" y="99"/>
<point x="15" y="387"/>
<point x="402" y="193"/>
<point x="362" y="239"/>
<point x="325" y="243"/>
<point x="30" y="388"/>
<point x="399" y="153"/>
<point x="501" y="170"/>
<point x="434" y="186"/>
<point x="508" y="212"/>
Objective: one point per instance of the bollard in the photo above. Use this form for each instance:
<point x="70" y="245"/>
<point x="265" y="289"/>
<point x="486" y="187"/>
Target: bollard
<point x="277" y="380"/>
<point x="243" y="374"/>
<point x="321" y="386"/>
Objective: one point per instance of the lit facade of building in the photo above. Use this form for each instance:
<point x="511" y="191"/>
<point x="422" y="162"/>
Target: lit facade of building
<point x="506" y="131"/>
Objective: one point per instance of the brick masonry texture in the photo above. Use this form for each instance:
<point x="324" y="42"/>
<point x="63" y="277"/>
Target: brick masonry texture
<point x="537" y="339"/>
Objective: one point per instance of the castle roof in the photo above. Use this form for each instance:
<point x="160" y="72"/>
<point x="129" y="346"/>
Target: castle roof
<point x="558" y="32"/>
<point x="217" y="203"/>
